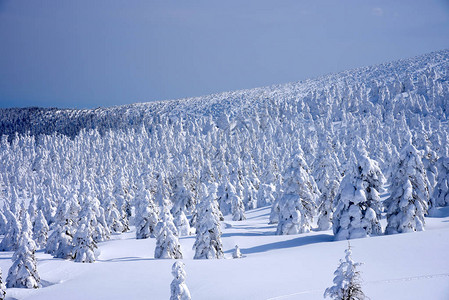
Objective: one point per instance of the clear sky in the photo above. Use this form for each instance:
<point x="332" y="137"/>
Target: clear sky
<point x="85" y="53"/>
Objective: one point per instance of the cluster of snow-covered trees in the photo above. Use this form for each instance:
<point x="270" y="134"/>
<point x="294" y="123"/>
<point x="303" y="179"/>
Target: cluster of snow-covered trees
<point x="321" y="149"/>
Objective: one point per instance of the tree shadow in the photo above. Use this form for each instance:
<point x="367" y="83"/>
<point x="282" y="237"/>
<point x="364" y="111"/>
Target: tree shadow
<point x="231" y="234"/>
<point x="439" y="212"/>
<point x="300" y="241"/>
<point x="122" y="259"/>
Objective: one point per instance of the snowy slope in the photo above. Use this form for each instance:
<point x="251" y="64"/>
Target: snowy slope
<point x="403" y="266"/>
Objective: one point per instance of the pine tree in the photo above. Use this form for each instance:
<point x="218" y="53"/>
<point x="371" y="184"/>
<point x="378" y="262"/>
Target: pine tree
<point x="408" y="203"/>
<point x="178" y="287"/>
<point x="297" y="204"/>
<point x="23" y="272"/>
<point x="347" y="282"/>
<point x="167" y="243"/>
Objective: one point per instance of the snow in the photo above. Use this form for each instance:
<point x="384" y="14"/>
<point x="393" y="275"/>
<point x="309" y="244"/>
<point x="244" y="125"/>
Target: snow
<point x="401" y="266"/>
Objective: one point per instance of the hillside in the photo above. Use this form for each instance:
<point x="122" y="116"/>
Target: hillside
<point x="93" y="200"/>
<point x="236" y="103"/>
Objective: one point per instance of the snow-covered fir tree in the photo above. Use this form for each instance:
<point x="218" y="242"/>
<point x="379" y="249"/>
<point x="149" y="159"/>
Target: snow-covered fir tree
<point x="237" y="207"/>
<point x="357" y="204"/>
<point x="2" y="287"/>
<point x="236" y="253"/>
<point x="441" y="192"/>
<point x="408" y="202"/>
<point x="327" y="177"/>
<point x="59" y="243"/>
<point x="40" y="230"/>
<point x="167" y="243"/>
<point x="13" y="228"/>
<point x="178" y="287"/>
<point x="182" y="201"/>
<point x="84" y="246"/>
<point x="113" y="216"/>
<point x="23" y="272"/>
<point x="347" y="281"/>
<point x="298" y="203"/>
<point x="208" y="233"/>
<point x="146" y="217"/>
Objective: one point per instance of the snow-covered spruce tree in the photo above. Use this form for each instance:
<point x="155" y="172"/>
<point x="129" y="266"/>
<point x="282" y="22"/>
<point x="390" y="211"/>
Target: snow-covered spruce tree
<point x="408" y="203"/>
<point x="237" y="207"/>
<point x="182" y="200"/>
<point x="40" y="230"/>
<point x="441" y="192"/>
<point x="178" y="287"/>
<point x="357" y="204"/>
<point x="236" y="253"/>
<point x="113" y="216"/>
<point x="84" y="247"/>
<point x="3" y="223"/>
<point x="347" y="281"/>
<point x="327" y="177"/>
<point x="23" y="272"/>
<point x="95" y="215"/>
<point x="2" y="287"/>
<point x="208" y="233"/>
<point x="167" y="243"/>
<point x="146" y="217"/>
<point x="32" y="208"/>
<point x="10" y="241"/>
<point x="297" y="203"/>
<point x="59" y="243"/>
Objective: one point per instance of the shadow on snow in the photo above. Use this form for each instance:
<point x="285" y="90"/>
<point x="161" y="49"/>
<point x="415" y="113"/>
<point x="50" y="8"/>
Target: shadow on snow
<point x="300" y="241"/>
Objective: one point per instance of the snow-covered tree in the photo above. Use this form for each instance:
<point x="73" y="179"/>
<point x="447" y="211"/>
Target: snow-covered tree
<point x="40" y="230"/>
<point x="84" y="247"/>
<point x="182" y="202"/>
<point x="357" y="204"/>
<point x="236" y="253"/>
<point x="237" y="207"/>
<point x="2" y="287"/>
<point x="408" y="203"/>
<point x="208" y="233"/>
<point x="113" y="216"/>
<point x="297" y="204"/>
<point x="167" y="243"/>
<point x="59" y="243"/>
<point x="327" y="177"/>
<point x="441" y="192"/>
<point x="347" y="281"/>
<point x="146" y="215"/>
<point x="10" y="241"/>
<point x="23" y="272"/>
<point x="178" y="287"/>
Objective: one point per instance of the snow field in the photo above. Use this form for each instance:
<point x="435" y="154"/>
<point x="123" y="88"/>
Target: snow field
<point x="401" y="266"/>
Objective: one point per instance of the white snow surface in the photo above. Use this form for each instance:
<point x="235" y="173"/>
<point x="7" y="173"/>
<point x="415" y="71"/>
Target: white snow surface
<point x="401" y="266"/>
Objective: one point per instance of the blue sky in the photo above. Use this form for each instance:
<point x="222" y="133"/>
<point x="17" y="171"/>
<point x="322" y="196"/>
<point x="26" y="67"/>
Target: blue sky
<point x="85" y="53"/>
